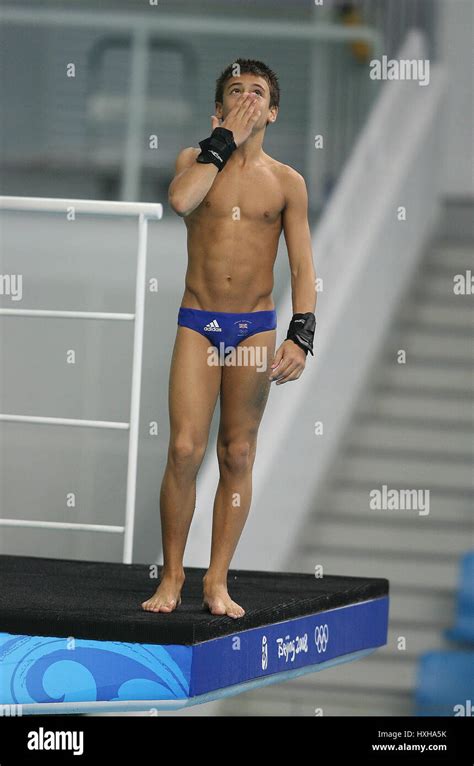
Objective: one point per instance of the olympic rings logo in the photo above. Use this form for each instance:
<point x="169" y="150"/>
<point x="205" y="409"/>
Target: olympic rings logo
<point x="321" y="637"/>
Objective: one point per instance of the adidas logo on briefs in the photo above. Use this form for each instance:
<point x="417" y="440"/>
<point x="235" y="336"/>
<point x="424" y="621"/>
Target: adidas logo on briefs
<point x="213" y="326"/>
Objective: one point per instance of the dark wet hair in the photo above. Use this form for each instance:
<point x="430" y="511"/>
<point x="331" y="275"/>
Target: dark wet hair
<point x="250" y="66"/>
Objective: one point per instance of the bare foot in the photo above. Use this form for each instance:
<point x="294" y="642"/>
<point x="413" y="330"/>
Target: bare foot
<point x="167" y="595"/>
<point x="216" y="598"/>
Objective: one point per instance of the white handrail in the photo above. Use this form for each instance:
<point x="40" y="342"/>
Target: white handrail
<point x="208" y="25"/>
<point x="90" y="206"/>
<point x="66" y="314"/>
<point x="73" y="422"/>
<point x="61" y="525"/>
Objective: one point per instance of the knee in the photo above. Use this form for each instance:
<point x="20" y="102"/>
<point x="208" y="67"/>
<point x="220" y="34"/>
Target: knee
<point x="236" y="457"/>
<point x="186" y="453"/>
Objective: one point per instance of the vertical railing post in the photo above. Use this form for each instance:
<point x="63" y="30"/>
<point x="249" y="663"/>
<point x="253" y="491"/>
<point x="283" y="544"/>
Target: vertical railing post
<point x="140" y="288"/>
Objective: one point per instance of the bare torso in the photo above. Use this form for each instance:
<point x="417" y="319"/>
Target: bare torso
<point x="233" y="239"/>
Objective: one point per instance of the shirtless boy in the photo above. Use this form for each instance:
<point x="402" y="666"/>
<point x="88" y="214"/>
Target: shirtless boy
<point x="235" y="200"/>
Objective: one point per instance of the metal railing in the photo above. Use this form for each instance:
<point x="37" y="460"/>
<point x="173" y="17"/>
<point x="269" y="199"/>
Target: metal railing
<point x="144" y="212"/>
<point x="143" y="27"/>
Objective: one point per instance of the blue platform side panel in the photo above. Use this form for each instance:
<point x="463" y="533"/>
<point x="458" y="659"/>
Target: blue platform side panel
<point x="37" y="669"/>
<point x="288" y="645"/>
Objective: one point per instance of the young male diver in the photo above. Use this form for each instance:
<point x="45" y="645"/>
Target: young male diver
<point x="235" y="200"/>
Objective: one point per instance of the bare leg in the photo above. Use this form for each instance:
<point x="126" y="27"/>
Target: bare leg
<point x="244" y="393"/>
<point x="193" y="390"/>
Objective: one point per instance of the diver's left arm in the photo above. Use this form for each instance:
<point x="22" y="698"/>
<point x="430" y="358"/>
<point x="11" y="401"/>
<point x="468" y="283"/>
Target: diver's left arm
<point x="290" y="358"/>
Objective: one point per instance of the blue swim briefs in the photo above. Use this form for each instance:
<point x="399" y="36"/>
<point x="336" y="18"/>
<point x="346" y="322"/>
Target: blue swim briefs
<point x="230" y="329"/>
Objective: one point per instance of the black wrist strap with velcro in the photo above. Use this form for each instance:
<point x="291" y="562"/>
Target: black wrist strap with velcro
<point x="217" y="148"/>
<point x="301" y="331"/>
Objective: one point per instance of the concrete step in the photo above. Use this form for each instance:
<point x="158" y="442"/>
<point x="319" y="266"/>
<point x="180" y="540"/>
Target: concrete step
<point x="429" y="440"/>
<point x="440" y="286"/>
<point x="449" y="271"/>
<point x="417" y="640"/>
<point x="383" y="536"/>
<point x="420" y="295"/>
<point x="431" y="345"/>
<point x="352" y="502"/>
<point x="396" y="518"/>
<point x="457" y="257"/>
<point x="431" y="314"/>
<point x="426" y="472"/>
<point x="407" y="405"/>
<point x="379" y="671"/>
<point x="431" y="607"/>
<point x="419" y="572"/>
<point x="426" y="377"/>
<point x="294" y="699"/>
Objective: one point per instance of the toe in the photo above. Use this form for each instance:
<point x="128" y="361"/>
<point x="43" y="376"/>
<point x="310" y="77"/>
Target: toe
<point x="236" y="611"/>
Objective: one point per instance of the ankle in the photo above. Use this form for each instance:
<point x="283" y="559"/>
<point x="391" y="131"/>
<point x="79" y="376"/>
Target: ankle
<point x="213" y="577"/>
<point x="173" y="573"/>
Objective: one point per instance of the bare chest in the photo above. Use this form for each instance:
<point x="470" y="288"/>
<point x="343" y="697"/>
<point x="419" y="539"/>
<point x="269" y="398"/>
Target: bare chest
<point x="252" y="196"/>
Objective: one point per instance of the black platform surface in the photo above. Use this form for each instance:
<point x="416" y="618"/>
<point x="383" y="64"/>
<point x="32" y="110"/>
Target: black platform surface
<point x="102" y="600"/>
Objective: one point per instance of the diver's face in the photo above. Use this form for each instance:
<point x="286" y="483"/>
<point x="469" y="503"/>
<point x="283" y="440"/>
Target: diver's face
<point x="259" y="90"/>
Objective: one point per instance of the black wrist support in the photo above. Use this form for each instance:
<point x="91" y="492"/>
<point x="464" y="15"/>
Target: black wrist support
<point x="301" y="331"/>
<point x="217" y="148"/>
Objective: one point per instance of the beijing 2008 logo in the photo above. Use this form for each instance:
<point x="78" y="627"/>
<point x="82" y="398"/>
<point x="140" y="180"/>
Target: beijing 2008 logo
<point x="264" y="653"/>
<point x="321" y="637"/>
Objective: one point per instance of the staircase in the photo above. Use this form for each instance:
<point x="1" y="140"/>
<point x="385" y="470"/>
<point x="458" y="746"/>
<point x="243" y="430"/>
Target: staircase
<point x="412" y="429"/>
